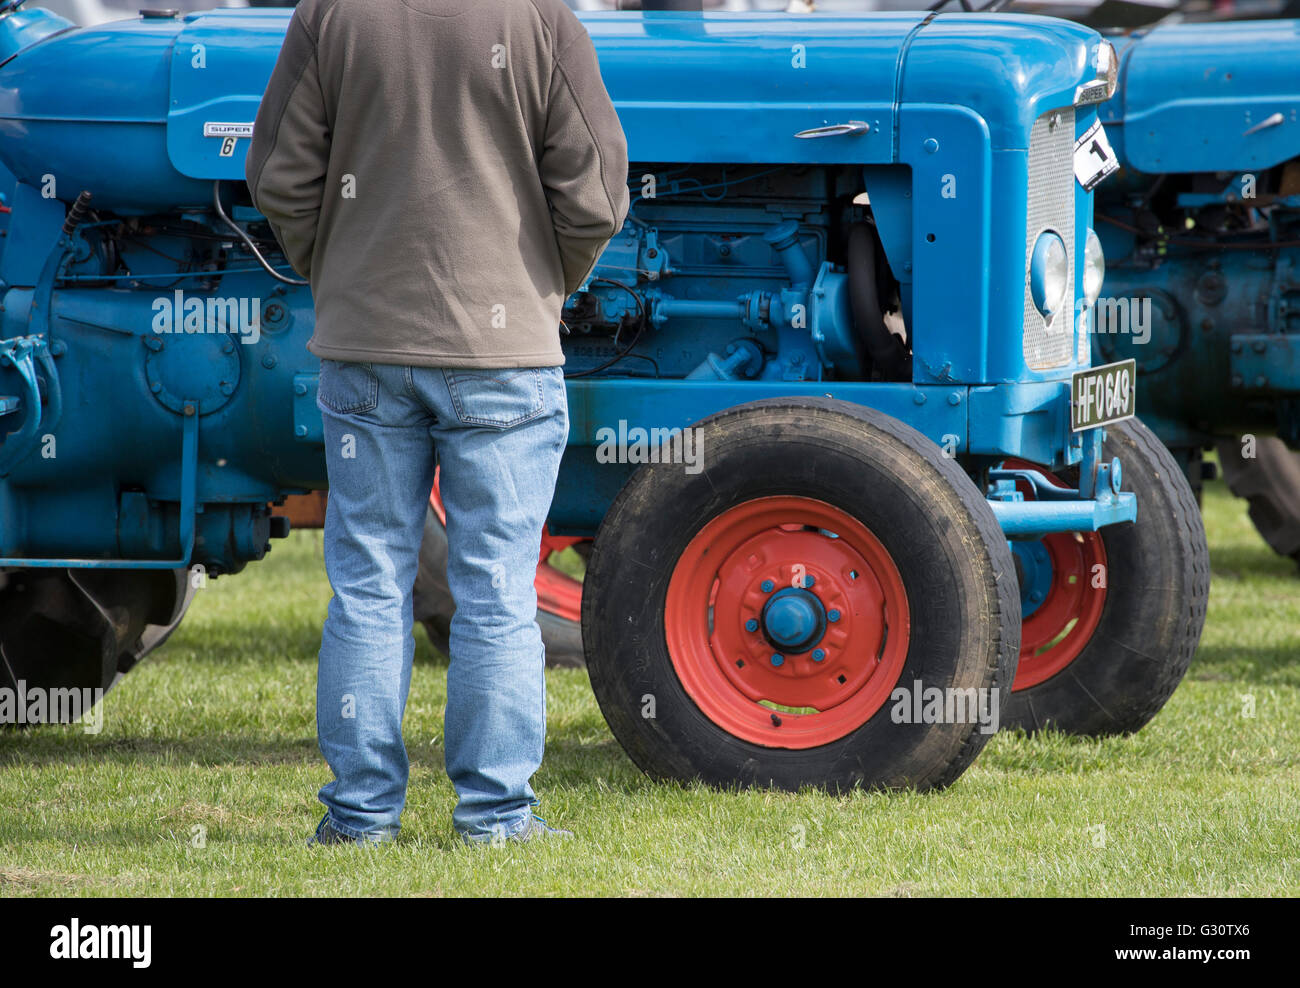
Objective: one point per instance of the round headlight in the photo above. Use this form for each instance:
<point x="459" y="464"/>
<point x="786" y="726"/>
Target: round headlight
<point x="1107" y="64"/>
<point x="1049" y="272"/>
<point x="1094" y="268"/>
<point x="1105" y="77"/>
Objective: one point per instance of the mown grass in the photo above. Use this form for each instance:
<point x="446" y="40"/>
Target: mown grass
<point x="203" y="781"/>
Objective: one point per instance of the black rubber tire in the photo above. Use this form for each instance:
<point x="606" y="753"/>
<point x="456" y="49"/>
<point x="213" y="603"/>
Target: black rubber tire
<point x="955" y="566"/>
<point x="1158" y="585"/>
<point x="85" y="628"/>
<point x="1191" y="460"/>
<point x="434" y="607"/>
<point x="1270" y="483"/>
<point x="155" y="634"/>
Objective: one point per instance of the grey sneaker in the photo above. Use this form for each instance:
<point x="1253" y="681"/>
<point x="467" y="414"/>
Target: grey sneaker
<point x="534" y="828"/>
<point x="327" y="834"/>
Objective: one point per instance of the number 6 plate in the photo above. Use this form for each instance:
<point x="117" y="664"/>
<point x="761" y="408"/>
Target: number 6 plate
<point x="1101" y="395"/>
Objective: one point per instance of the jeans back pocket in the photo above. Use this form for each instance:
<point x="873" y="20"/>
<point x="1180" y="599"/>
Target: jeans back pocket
<point x="498" y="398"/>
<point x="347" y="388"/>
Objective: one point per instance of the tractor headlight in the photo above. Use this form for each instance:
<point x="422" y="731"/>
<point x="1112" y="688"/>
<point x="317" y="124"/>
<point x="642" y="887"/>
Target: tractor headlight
<point x="1102" y="87"/>
<point x="1049" y="272"/>
<point x="1094" y="268"/>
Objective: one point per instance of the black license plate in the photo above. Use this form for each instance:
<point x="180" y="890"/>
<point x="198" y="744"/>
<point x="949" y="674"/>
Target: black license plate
<point x="1101" y="395"/>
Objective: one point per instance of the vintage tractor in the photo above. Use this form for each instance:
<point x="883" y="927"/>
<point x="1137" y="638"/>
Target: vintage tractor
<point x="1201" y="232"/>
<point x="837" y="466"/>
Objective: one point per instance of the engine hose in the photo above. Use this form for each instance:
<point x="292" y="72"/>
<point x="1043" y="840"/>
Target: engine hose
<point x="248" y="242"/>
<point x="888" y="353"/>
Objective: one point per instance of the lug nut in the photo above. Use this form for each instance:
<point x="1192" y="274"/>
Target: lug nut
<point x="751" y="625"/>
<point x="818" y="654"/>
<point x="778" y="659"/>
<point x="767" y="586"/>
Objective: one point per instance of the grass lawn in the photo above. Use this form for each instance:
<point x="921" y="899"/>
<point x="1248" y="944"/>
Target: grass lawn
<point x="203" y="781"/>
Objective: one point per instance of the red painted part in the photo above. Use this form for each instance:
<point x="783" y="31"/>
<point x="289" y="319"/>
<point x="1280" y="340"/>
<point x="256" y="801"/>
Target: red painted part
<point x="716" y="587"/>
<point x="558" y="543"/>
<point x="557" y="592"/>
<point x="435" y="499"/>
<point x="1072" y="596"/>
<point x="304" y="510"/>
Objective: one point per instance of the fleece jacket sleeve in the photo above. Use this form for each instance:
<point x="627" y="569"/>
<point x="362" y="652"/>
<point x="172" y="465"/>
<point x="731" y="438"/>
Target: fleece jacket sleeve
<point x="583" y="164"/>
<point x="289" y="152"/>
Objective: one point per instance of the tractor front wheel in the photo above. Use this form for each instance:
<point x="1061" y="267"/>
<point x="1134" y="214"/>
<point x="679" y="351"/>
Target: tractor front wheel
<point x="788" y="615"/>
<point x="1112" y="618"/>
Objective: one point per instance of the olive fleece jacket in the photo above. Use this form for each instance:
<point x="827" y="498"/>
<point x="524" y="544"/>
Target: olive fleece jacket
<point x="444" y="172"/>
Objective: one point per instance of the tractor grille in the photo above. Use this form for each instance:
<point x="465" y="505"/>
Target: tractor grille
<point x="1051" y="207"/>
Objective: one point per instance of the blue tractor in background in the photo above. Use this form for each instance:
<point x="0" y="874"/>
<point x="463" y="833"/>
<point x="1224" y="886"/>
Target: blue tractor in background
<point x="838" y="461"/>
<point x="1201" y="231"/>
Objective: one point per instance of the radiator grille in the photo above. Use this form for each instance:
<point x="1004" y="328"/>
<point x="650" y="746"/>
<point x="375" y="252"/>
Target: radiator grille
<point x="1051" y="207"/>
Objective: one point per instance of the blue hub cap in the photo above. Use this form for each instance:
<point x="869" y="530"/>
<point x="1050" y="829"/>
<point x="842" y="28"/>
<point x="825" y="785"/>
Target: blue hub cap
<point x="794" y="620"/>
<point x="1035" y="574"/>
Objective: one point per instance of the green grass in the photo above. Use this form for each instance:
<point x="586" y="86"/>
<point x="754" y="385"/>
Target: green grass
<point x="217" y="732"/>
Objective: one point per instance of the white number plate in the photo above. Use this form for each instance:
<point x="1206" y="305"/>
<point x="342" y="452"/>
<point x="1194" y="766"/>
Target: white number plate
<point x="1093" y="157"/>
<point x="1101" y="395"/>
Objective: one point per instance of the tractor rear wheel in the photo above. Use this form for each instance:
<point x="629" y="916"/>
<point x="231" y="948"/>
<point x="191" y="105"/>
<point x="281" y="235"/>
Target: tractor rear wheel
<point x="1270" y="483"/>
<point x="786" y="616"/>
<point x="1112" y="618"/>
<point x="83" y="629"/>
<point x="558" y="593"/>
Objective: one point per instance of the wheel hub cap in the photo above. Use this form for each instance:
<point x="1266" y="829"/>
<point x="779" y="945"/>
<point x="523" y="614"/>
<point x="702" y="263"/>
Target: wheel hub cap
<point x="1062" y="595"/>
<point x="786" y="622"/>
<point x="794" y="619"/>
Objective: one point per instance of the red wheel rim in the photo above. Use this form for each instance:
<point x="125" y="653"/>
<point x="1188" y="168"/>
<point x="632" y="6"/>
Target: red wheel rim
<point x="558" y="593"/>
<point x="1060" y="628"/>
<point x="714" y="630"/>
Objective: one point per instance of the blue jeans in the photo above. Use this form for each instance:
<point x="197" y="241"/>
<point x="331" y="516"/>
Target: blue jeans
<point x="498" y="436"/>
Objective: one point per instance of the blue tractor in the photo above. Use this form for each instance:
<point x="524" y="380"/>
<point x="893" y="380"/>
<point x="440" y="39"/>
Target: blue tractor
<point x="1201" y="232"/>
<point x="849" y="490"/>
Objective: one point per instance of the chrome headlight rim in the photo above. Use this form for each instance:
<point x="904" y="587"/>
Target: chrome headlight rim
<point x="1102" y="87"/>
<point x="1094" y="268"/>
<point x="1049" y="273"/>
